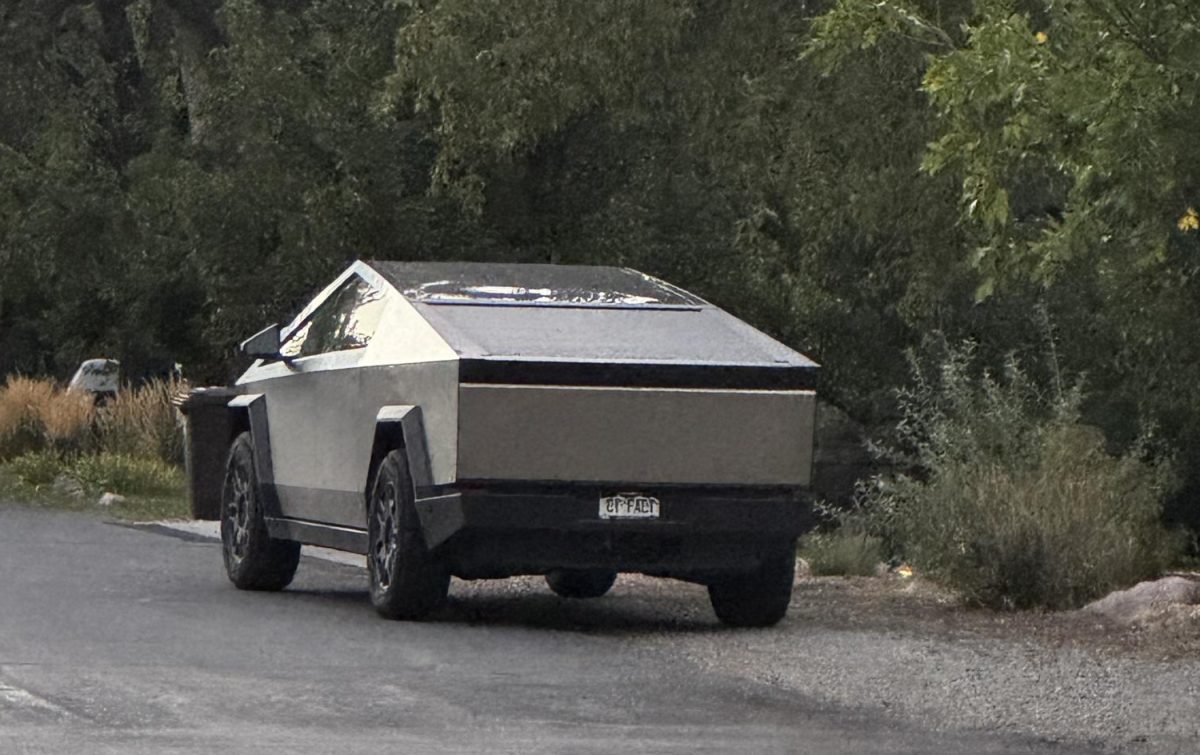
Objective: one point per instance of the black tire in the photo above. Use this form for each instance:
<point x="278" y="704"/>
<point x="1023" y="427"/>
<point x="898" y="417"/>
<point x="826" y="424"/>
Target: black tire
<point x="581" y="583"/>
<point x="407" y="581"/>
<point x="757" y="599"/>
<point x="253" y="559"/>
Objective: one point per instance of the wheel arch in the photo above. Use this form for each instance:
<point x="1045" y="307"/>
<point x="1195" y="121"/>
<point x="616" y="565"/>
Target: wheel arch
<point x="248" y="413"/>
<point x="400" y="427"/>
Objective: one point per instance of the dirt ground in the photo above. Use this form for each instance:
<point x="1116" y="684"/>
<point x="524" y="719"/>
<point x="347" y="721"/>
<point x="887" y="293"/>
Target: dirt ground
<point x="914" y="606"/>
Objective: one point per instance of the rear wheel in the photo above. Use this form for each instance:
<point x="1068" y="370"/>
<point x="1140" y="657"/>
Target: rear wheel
<point x="407" y="581"/>
<point x="759" y="598"/>
<point x="253" y="559"/>
<point x="581" y="583"/>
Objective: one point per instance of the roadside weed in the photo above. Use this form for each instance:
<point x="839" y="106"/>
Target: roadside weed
<point x="142" y="422"/>
<point x="37" y="468"/>
<point x="842" y="554"/>
<point x="127" y="475"/>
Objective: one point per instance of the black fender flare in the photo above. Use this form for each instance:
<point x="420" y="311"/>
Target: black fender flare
<point x="402" y="427"/>
<point x="248" y="413"/>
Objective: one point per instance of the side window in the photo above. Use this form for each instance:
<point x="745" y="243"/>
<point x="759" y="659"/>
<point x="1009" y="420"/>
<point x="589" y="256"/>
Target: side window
<point x="346" y="320"/>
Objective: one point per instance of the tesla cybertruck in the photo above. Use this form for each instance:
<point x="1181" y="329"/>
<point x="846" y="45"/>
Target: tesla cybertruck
<point x="487" y="420"/>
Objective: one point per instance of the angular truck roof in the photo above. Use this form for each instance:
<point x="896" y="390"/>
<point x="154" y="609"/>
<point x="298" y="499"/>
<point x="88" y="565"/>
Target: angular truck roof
<point x="582" y="314"/>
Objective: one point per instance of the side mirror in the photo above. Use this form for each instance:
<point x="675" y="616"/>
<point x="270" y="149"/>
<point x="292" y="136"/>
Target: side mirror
<point x="264" y="344"/>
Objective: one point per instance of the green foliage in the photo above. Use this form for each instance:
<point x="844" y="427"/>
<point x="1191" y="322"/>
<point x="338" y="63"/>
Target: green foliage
<point x="502" y="74"/>
<point x="175" y="175"/>
<point x="849" y="551"/>
<point x="126" y="475"/>
<point x="1068" y="129"/>
<point x="690" y="140"/>
<point x="37" y="468"/>
<point x="96" y="473"/>
<point x="1008" y="497"/>
<point x="44" y="478"/>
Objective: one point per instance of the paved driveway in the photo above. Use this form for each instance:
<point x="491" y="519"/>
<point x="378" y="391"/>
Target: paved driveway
<point x="114" y="639"/>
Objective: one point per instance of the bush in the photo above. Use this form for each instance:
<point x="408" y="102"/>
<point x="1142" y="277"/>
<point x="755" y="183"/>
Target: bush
<point x="849" y="551"/>
<point x="127" y="475"/>
<point x="1010" y="499"/>
<point x="37" y="468"/>
<point x="143" y="422"/>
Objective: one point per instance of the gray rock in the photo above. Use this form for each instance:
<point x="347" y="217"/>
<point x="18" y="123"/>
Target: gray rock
<point x="109" y="499"/>
<point x="1147" y="599"/>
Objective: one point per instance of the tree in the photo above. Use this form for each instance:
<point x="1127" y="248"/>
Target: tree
<point x="689" y="138"/>
<point x="1069" y="128"/>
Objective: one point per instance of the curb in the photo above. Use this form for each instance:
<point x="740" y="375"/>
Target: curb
<point x="196" y="531"/>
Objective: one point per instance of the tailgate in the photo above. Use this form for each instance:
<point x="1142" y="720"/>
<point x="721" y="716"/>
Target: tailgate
<point x="635" y="435"/>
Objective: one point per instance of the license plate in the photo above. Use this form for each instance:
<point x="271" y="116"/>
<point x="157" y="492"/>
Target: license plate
<point x="628" y="506"/>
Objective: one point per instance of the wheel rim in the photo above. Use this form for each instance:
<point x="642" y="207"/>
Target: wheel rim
<point x="384" y="545"/>
<point x="237" y="512"/>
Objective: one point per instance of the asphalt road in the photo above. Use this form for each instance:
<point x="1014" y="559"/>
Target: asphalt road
<point x="114" y="639"/>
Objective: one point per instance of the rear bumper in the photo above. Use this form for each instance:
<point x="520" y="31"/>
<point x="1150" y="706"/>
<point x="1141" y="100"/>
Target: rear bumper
<point x="515" y="529"/>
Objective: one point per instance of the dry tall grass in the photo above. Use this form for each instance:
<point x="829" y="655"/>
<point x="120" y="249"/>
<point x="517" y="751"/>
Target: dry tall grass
<point x="37" y="414"/>
<point x="11" y="416"/>
<point x="65" y="418"/>
<point x="143" y="422"/>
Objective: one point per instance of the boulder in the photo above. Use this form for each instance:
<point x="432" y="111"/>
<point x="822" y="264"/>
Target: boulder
<point x="1148" y="599"/>
<point x="109" y="499"/>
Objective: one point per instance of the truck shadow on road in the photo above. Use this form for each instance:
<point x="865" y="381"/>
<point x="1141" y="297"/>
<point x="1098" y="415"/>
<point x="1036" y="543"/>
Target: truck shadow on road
<point x="674" y="607"/>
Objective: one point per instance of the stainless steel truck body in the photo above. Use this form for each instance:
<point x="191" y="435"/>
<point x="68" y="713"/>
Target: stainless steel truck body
<point x="486" y="420"/>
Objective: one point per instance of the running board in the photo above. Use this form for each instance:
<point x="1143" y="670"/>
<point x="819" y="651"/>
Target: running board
<point x="312" y="533"/>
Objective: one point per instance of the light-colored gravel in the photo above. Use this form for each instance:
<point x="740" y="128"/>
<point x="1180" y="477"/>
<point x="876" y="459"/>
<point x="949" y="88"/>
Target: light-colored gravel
<point x="912" y="655"/>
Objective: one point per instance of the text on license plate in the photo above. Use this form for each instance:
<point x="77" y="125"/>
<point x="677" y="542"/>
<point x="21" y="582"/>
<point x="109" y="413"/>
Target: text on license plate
<point x="628" y="506"/>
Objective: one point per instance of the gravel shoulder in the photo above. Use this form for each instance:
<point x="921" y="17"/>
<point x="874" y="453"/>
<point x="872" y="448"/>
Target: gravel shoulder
<point x="906" y="651"/>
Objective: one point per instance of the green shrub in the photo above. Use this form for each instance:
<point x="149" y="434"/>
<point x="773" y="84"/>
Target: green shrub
<point x="37" y="468"/>
<point x="127" y="475"/>
<point x="849" y="551"/>
<point x="1010" y="499"/>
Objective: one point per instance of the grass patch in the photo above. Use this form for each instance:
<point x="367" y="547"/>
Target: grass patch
<point x="44" y="480"/>
<point x="57" y="449"/>
<point x="845" y="552"/>
<point x="126" y="475"/>
<point x="37" y="468"/>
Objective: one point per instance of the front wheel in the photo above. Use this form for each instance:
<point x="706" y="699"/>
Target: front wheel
<point x="407" y="581"/>
<point x="759" y="598"/>
<point x="253" y="559"/>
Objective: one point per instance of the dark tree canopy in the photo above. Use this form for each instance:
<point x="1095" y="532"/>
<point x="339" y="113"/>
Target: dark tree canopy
<point x="848" y="175"/>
